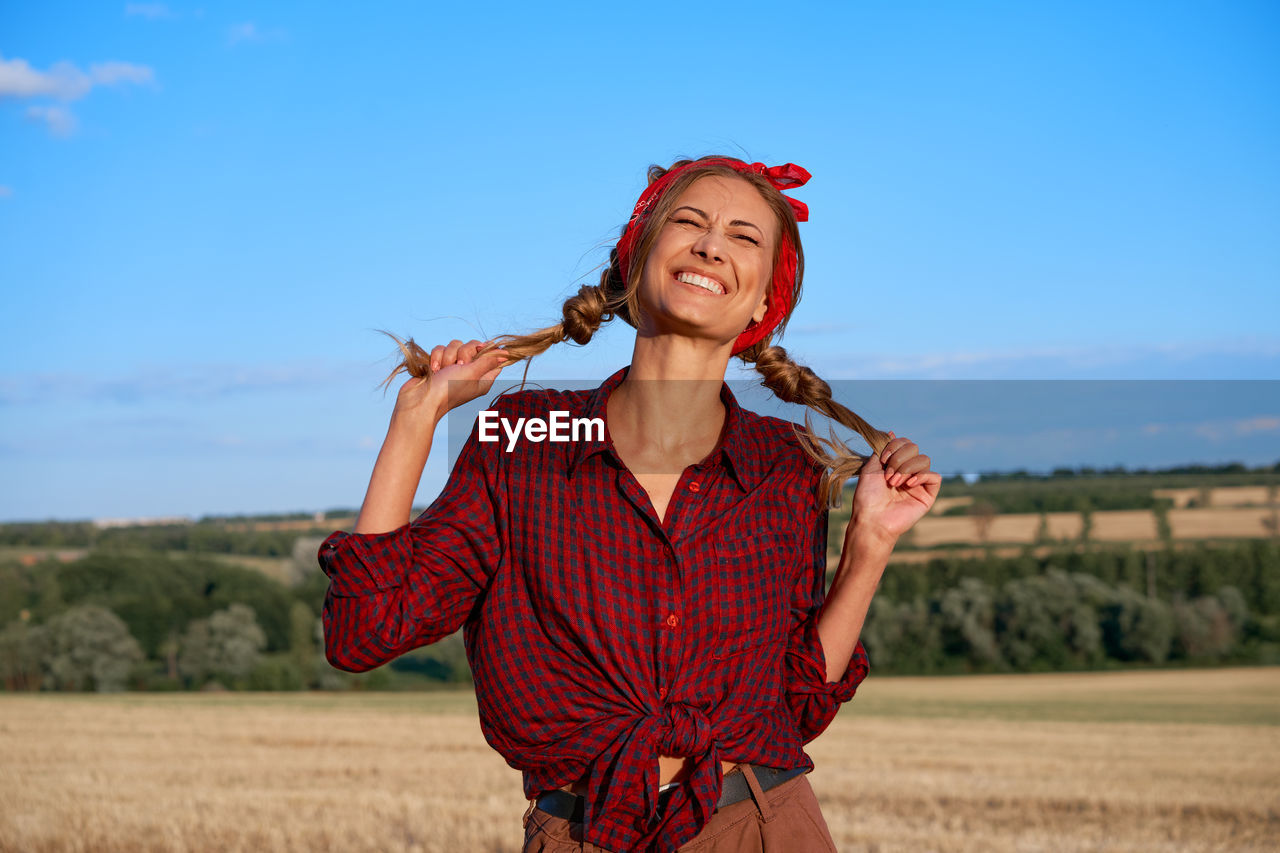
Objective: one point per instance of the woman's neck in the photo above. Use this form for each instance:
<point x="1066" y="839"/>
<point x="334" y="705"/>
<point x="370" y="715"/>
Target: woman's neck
<point x="670" y="400"/>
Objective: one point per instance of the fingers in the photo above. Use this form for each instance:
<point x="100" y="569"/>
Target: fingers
<point x="897" y="452"/>
<point x="451" y="351"/>
<point x="930" y="480"/>
<point x="495" y="360"/>
<point x="891" y="448"/>
<point x="904" y="464"/>
<point x="454" y="352"/>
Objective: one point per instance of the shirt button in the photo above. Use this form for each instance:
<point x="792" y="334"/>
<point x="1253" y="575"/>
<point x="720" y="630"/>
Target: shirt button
<point x="695" y="486"/>
<point x="673" y="620"/>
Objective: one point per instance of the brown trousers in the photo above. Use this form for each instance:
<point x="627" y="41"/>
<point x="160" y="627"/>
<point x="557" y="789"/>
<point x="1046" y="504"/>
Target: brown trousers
<point x="785" y="819"/>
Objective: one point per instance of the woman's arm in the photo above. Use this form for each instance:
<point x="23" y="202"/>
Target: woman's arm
<point x="895" y="489"/>
<point x="812" y="694"/>
<point x="825" y="659"/>
<point x="395" y="585"/>
<point x="862" y="562"/>
<point x="457" y="377"/>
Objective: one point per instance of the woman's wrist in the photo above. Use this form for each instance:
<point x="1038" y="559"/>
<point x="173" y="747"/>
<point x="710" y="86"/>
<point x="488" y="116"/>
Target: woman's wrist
<point x="868" y="536"/>
<point x="421" y="404"/>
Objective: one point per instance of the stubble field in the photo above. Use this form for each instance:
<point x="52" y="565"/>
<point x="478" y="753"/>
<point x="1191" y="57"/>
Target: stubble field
<point x="1151" y="761"/>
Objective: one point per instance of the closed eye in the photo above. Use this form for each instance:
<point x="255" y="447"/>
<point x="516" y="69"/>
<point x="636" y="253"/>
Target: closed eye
<point x="752" y="240"/>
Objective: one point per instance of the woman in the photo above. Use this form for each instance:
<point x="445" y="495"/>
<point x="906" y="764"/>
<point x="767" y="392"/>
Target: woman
<point x="643" y="607"/>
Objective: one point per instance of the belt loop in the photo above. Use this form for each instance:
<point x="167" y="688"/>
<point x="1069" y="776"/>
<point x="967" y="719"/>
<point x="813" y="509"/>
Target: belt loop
<point x="757" y="793"/>
<point x="533" y="804"/>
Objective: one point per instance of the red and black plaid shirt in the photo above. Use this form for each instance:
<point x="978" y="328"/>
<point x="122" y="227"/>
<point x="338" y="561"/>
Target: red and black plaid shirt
<point x="599" y="637"/>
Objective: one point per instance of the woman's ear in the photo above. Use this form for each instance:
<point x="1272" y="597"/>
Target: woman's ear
<point x="761" y="309"/>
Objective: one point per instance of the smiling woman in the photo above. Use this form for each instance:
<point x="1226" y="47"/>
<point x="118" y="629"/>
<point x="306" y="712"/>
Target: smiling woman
<point x="709" y="269"/>
<point x="644" y="607"/>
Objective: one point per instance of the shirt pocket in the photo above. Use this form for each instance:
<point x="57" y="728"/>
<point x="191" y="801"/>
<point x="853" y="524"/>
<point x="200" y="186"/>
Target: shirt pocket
<point x="752" y="590"/>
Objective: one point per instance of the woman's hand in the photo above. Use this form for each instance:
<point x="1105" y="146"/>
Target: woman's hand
<point x="457" y="377"/>
<point x="895" y="489"/>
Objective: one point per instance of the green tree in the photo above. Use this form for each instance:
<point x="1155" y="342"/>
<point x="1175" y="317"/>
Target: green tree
<point x="195" y="656"/>
<point x="1205" y="629"/>
<point x="882" y="631"/>
<point x="21" y="650"/>
<point x="1045" y="622"/>
<point x="1237" y="609"/>
<point x="225" y="646"/>
<point x="1043" y="534"/>
<point x="1164" y="530"/>
<point x="1086" y="521"/>
<point x="983" y="513"/>
<point x="302" y="648"/>
<point x="88" y="647"/>
<point x="968" y="623"/>
<point x="1137" y="628"/>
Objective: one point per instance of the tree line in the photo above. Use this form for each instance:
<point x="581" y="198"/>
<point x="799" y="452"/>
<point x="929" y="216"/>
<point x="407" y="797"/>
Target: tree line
<point x="207" y="537"/>
<point x="1079" y="610"/>
<point x="137" y="620"/>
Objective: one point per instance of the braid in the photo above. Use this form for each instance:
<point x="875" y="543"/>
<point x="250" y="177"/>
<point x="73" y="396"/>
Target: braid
<point x="795" y="383"/>
<point x="581" y="315"/>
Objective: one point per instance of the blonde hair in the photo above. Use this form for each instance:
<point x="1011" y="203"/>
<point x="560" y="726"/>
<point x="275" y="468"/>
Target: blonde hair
<point x="583" y="313"/>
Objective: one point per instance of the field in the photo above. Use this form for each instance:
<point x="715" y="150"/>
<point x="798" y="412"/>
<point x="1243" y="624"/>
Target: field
<point x="1158" y="760"/>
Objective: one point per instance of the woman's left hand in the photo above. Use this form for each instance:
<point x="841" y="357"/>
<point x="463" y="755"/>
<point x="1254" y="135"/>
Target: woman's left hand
<point x="895" y="489"/>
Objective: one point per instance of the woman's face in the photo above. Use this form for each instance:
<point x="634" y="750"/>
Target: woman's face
<point x="709" y="268"/>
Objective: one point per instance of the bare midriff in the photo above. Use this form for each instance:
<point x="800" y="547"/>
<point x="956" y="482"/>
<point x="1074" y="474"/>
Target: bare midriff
<point x="670" y="769"/>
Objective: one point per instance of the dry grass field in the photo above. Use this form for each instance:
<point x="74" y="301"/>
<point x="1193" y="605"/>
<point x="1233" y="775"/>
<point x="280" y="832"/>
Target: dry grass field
<point x="1160" y="761"/>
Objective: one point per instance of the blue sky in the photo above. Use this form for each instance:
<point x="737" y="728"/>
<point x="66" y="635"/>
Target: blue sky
<point x="207" y="211"/>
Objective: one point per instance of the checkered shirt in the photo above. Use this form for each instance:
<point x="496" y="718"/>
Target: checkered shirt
<point x="600" y="636"/>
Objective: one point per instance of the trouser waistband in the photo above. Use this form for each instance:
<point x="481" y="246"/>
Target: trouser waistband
<point x="734" y="789"/>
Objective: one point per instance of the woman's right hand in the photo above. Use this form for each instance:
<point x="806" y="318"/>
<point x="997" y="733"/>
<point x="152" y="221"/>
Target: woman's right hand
<point x="458" y="376"/>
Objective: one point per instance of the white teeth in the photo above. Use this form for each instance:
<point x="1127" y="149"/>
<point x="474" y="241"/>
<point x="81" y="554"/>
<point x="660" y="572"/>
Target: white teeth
<point x="700" y="281"/>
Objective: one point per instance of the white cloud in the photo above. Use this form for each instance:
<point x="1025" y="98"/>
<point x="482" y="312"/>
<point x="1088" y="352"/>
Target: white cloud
<point x="5" y="191"/>
<point x="63" y="81"/>
<point x="1262" y="423"/>
<point x="248" y="31"/>
<point x="115" y="73"/>
<point x="59" y="120"/>
<point x="1229" y="430"/>
<point x="150" y="11"/>
<point x="19" y="80"/>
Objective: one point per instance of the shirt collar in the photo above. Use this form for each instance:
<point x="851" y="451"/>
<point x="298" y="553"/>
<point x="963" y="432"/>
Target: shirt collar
<point x="734" y="445"/>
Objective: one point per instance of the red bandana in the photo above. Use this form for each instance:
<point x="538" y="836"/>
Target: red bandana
<point x="784" y="273"/>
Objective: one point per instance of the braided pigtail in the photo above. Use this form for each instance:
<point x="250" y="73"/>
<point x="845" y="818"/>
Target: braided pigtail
<point x="795" y="383"/>
<point x="581" y="316"/>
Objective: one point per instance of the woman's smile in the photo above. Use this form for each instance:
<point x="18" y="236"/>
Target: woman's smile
<point x="701" y="282"/>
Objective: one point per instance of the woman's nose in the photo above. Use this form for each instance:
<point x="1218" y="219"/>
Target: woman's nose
<point x="709" y="246"/>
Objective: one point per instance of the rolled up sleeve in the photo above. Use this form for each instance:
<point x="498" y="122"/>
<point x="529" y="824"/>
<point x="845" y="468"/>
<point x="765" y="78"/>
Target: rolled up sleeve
<point x="812" y="698"/>
<point x="392" y="592"/>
